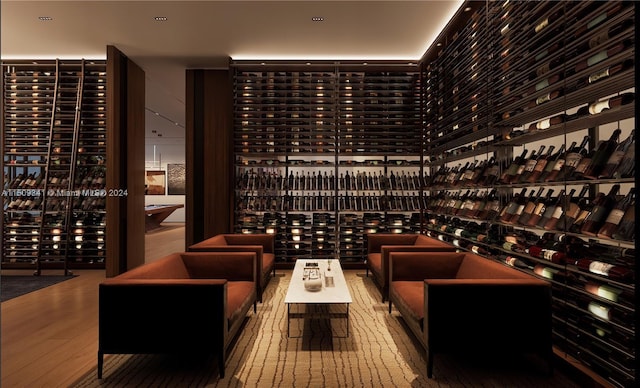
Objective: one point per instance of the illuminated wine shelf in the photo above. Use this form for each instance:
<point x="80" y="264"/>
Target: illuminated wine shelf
<point x="54" y="147"/>
<point x="333" y="150"/>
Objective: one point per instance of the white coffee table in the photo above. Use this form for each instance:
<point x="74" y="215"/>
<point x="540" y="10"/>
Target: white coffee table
<point x="336" y="294"/>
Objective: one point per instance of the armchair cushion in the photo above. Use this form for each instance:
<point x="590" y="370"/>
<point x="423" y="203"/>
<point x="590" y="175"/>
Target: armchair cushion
<point x="412" y="299"/>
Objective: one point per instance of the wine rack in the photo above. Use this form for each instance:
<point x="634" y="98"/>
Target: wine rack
<point x="333" y="149"/>
<point x="510" y="92"/>
<point x="54" y="146"/>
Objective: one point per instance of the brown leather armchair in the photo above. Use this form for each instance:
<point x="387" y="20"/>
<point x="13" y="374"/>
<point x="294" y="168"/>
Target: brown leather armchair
<point x="461" y="302"/>
<point x="184" y="302"/>
<point x="262" y="244"/>
<point x="380" y="245"/>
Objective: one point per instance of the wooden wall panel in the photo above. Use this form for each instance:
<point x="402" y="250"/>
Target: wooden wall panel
<point x="209" y="203"/>
<point x="135" y="165"/>
<point x="125" y="163"/>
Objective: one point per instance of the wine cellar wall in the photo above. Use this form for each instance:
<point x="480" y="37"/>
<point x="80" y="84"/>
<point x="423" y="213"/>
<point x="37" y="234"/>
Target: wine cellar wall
<point x="529" y="122"/>
<point x="325" y="154"/>
<point x="54" y="145"/>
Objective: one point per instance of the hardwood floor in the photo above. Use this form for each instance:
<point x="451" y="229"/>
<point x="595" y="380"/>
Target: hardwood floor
<point x="49" y="337"/>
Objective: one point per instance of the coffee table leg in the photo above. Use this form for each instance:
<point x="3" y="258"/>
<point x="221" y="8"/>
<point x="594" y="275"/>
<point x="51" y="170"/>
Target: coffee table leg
<point x="288" y="318"/>
<point x="347" y="319"/>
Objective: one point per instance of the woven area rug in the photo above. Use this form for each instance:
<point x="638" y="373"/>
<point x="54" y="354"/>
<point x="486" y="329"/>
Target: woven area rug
<point x="12" y="286"/>
<point x="380" y="352"/>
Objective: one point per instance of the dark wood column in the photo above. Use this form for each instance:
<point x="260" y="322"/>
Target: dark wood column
<point x="209" y="120"/>
<point x="125" y="163"/>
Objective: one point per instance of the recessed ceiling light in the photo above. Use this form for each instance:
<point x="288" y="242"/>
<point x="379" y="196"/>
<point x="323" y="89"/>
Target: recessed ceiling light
<point x="45" y="18"/>
<point x="439" y="44"/>
<point x="160" y="18"/>
<point x="467" y="9"/>
<point x="317" y="19"/>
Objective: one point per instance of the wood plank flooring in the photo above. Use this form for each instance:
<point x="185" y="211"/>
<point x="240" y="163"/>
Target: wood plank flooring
<point x="49" y="337"/>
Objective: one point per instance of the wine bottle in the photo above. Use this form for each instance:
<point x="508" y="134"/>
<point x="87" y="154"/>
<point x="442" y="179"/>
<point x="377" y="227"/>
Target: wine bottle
<point x="605" y="35"/>
<point x="615" y="272"/>
<point x="562" y="206"/>
<point x="514" y="261"/>
<point x="581" y="168"/>
<point x="611" y="103"/>
<point x="513" y="168"/>
<point x="477" y="206"/>
<point x="510" y="209"/>
<point x="552" y="254"/>
<point x="597" y="20"/>
<point x="553" y="169"/>
<point x="605" y="291"/>
<point x="606" y="73"/>
<point x="541" y="164"/>
<point x="530" y="206"/>
<point x="521" y="204"/>
<point x="546" y="67"/>
<point x="540" y="208"/>
<point x="528" y="167"/>
<point x="465" y="203"/>
<point x="491" y="208"/>
<point x="573" y="157"/>
<point x="547" y="123"/>
<point x="627" y="227"/>
<point x="542" y="25"/>
<point x="551" y="273"/>
<point x="514" y="246"/>
<point x="550" y="211"/>
<point x="491" y="173"/>
<point x="601" y="210"/>
<point x="458" y="203"/>
<point x="616" y="214"/>
<point x="617" y="157"/>
<point x="455" y="180"/>
<point x="545" y="83"/>
<point x="601" y="156"/>
<point x="554" y="164"/>
<point x="601" y="56"/>
<point x="586" y="206"/>
<point x="478" y="172"/>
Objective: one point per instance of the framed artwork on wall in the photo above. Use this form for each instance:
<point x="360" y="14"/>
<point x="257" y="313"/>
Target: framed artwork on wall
<point x="154" y="183"/>
<point x="176" y="176"/>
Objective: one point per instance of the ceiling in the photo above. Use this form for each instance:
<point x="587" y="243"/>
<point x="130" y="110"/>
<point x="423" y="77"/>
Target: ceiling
<point x="205" y="34"/>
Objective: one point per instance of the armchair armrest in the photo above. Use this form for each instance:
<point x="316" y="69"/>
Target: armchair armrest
<point x="267" y="241"/>
<point x="417" y="266"/>
<point x="376" y="240"/>
<point x="233" y="266"/>
<point x="386" y="250"/>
